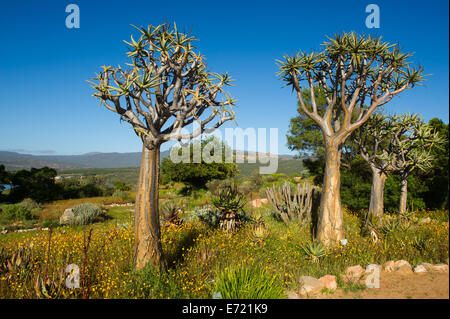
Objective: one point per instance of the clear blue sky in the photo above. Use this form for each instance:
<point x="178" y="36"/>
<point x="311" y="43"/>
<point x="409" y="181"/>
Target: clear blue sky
<point x="46" y="104"/>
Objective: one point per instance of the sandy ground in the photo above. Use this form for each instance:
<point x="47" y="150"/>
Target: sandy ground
<point x="431" y="285"/>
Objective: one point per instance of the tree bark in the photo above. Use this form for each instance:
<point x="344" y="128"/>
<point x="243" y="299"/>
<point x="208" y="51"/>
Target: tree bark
<point x="403" y="192"/>
<point x="376" y="207"/>
<point x="148" y="248"/>
<point x="329" y="227"/>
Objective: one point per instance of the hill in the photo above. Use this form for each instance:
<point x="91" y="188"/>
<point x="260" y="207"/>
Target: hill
<point x="15" y="161"/>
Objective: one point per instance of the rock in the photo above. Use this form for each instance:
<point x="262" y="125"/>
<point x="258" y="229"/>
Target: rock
<point x="354" y="273"/>
<point x="259" y="202"/>
<point x="68" y="213"/>
<point x="293" y="295"/>
<point x="403" y="267"/>
<point x="389" y="266"/>
<point x="425" y="220"/>
<point x="329" y="282"/>
<point x="420" y="269"/>
<point x="439" y="267"/>
<point x="309" y="285"/>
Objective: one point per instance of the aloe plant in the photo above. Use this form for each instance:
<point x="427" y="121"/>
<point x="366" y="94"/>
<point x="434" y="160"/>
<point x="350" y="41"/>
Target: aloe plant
<point x="314" y="250"/>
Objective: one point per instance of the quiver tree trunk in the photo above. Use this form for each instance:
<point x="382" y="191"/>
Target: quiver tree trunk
<point x="403" y="192"/>
<point x="148" y="248"/>
<point x="376" y="207"/>
<point x="329" y="225"/>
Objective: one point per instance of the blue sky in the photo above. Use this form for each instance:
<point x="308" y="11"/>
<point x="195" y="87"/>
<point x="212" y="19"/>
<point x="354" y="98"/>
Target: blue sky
<point x="46" y="104"/>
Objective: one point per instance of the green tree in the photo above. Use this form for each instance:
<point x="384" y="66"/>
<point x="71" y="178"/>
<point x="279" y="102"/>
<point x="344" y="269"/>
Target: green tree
<point x="5" y="177"/>
<point x="37" y="184"/>
<point x="436" y="179"/>
<point x="166" y="88"/>
<point x="358" y="74"/>
<point x="197" y="174"/>
<point x="410" y="146"/>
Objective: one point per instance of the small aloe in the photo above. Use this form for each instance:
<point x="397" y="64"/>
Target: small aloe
<point x="314" y="250"/>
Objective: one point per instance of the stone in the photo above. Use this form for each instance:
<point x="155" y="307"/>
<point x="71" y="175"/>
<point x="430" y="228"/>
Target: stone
<point x="257" y="203"/>
<point x="293" y="295"/>
<point x="420" y="269"/>
<point x="309" y="285"/>
<point x="64" y="219"/>
<point x="354" y="273"/>
<point x="403" y="267"/>
<point x="439" y="267"/>
<point x="329" y="282"/>
<point x="389" y="266"/>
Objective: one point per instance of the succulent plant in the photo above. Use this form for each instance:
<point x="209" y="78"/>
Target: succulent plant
<point x="314" y="250"/>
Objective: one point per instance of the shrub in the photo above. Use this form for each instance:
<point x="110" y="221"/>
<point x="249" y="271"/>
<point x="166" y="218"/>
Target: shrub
<point x="50" y="223"/>
<point x="29" y="204"/>
<point x="15" y="212"/>
<point x="121" y="194"/>
<point x="207" y="215"/>
<point x="84" y="214"/>
<point x="171" y="214"/>
<point x="242" y="283"/>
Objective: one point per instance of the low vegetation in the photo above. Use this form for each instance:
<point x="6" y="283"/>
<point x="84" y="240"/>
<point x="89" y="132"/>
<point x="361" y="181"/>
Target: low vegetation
<point x="261" y="258"/>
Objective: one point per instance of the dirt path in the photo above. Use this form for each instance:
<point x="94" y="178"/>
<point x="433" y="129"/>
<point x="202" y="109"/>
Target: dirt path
<point x="431" y="285"/>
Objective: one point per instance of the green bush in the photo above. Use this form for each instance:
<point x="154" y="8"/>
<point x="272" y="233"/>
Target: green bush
<point x="29" y="204"/>
<point x="121" y="194"/>
<point x="243" y="283"/>
<point x="84" y="214"/>
<point x="207" y="215"/>
<point x="48" y="223"/>
<point x="15" y="212"/>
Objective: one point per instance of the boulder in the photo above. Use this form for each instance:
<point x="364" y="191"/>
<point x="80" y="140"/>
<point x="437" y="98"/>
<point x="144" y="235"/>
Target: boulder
<point x="439" y="267"/>
<point x="389" y="266"/>
<point x="420" y="269"/>
<point x="309" y="285"/>
<point x="403" y="267"/>
<point x="64" y="219"/>
<point x="329" y="282"/>
<point x="354" y="273"/>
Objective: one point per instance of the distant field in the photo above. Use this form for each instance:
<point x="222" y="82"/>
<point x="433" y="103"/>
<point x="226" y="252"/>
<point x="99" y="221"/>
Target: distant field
<point x="131" y="174"/>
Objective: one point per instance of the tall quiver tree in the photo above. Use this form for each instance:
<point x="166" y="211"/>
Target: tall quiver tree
<point x="167" y="87"/>
<point x="358" y="74"/>
<point x="410" y="145"/>
<point x="372" y="142"/>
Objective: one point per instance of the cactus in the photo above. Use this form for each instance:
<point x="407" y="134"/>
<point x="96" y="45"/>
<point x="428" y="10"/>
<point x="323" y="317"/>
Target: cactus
<point x="292" y="205"/>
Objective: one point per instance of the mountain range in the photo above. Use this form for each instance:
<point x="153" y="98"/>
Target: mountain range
<point x="14" y="161"/>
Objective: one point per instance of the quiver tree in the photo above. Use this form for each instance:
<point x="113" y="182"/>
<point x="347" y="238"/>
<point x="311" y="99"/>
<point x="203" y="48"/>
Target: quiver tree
<point x="358" y="74"/>
<point x="410" y="145"/>
<point x="372" y="142"/>
<point x="167" y="87"/>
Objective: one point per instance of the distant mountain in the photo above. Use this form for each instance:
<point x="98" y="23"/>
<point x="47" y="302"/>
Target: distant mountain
<point x="15" y="161"/>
